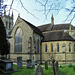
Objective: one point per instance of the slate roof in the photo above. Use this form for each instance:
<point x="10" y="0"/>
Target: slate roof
<point x="57" y="36"/>
<point x="35" y="29"/>
<point x="62" y="27"/>
<point x="46" y="27"/>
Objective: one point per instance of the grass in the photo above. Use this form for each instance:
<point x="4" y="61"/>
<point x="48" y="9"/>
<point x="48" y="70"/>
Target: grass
<point x="67" y="70"/>
<point x="64" y="70"/>
<point x="23" y="71"/>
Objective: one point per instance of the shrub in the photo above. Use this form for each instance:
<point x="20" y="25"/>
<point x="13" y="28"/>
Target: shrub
<point x="70" y="65"/>
<point x="74" y="68"/>
<point x="3" y="58"/>
<point x="60" y="66"/>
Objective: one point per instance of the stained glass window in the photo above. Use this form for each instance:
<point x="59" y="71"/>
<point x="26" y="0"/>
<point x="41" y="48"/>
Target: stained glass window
<point x="18" y="40"/>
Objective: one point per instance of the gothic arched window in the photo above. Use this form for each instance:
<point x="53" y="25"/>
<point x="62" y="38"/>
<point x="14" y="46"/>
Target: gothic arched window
<point x="57" y="47"/>
<point x="69" y="47"/>
<point x="9" y="25"/>
<point x="18" y="41"/>
<point x="51" y="47"/>
<point x="6" y="24"/>
<point x="46" y="48"/>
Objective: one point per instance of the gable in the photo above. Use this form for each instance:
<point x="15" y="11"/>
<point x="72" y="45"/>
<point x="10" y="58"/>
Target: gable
<point x="18" y="20"/>
<point x="25" y="25"/>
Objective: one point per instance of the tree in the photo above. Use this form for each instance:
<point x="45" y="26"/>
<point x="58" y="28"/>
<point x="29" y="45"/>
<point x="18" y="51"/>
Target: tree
<point x="57" y="5"/>
<point x="52" y="57"/>
<point x="49" y="6"/>
<point x="4" y="45"/>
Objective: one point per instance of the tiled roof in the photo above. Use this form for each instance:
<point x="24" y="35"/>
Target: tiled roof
<point x="57" y="36"/>
<point x="46" y="27"/>
<point x="62" y="27"/>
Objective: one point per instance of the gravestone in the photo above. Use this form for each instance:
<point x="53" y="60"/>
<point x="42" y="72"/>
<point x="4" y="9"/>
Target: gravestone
<point x="56" y="68"/>
<point x="6" y="65"/>
<point x="38" y="70"/>
<point x="46" y="65"/>
<point x="19" y="62"/>
<point x="29" y="63"/>
<point x="33" y="64"/>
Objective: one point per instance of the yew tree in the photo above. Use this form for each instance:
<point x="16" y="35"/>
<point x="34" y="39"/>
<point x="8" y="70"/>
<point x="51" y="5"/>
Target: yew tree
<point x="4" y="44"/>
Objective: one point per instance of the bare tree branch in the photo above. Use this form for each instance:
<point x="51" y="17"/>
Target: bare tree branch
<point x="27" y="10"/>
<point x="72" y="18"/>
<point x="11" y="6"/>
<point x="48" y="7"/>
<point x="39" y="2"/>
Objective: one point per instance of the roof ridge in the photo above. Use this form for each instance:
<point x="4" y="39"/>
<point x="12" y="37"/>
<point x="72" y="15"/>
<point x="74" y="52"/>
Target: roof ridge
<point x="63" y="24"/>
<point x="44" y="25"/>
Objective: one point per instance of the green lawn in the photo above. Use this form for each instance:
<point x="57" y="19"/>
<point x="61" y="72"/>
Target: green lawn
<point x="67" y="71"/>
<point x="23" y="71"/>
<point x="63" y="71"/>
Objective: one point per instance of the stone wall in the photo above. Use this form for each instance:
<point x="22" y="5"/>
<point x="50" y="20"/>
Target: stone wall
<point x="72" y="33"/>
<point x="28" y="49"/>
<point x="63" y="53"/>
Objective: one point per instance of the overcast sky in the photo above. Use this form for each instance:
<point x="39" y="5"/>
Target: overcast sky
<point x="31" y="6"/>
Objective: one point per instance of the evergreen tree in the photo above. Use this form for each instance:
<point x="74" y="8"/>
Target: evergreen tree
<point x="4" y="45"/>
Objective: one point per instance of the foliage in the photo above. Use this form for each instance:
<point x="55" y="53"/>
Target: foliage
<point x="4" y="45"/>
<point x="23" y="71"/>
<point x="63" y="71"/>
<point x="3" y="58"/>
<point x="46" y="65"/>
<point x="70" y="65"/>
<point x="60" y="66"/>
<point x="74" y="68"/>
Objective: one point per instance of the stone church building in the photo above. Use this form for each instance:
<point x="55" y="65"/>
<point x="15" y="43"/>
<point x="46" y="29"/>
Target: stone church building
<point x="40" y="43"/>
<point x="58" y="42"/>
<point x="25" y="42"/>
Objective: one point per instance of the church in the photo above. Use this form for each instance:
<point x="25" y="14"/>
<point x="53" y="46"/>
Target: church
<point x="41" y="43"/>
<point x="58" y="42"/>
<point x="25" y="42"/>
